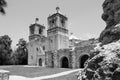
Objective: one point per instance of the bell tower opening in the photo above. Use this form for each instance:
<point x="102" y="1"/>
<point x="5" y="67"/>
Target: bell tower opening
<point x="40" y="31"/>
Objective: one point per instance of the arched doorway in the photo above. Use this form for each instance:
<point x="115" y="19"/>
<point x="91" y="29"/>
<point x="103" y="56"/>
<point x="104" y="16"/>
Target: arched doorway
<point x="82" y="60"/>
<point x="64" y="62"/>
<point x="40" y="62"/>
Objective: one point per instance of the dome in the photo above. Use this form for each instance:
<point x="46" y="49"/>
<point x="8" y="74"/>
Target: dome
<point x="73" y="37"/>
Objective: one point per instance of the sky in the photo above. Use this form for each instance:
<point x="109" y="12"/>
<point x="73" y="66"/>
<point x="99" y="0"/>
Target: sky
<point x="84" y="17"/>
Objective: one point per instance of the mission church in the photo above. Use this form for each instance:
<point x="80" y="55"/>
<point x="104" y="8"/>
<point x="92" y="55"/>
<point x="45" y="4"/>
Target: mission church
<point x="58" y="49"/>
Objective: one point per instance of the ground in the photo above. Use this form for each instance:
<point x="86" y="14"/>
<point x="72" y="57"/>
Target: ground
<point x="33" y="72"/>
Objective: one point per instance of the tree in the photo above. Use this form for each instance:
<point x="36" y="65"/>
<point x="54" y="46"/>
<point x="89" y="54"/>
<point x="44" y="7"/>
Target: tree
<point x="14" y="58"/>
<point x="2" y="5"/>
<point x="5" y="49"/>
<point x="21" y="52"/>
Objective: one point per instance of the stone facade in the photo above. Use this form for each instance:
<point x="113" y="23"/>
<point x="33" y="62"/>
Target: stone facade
<point x="57" y="49"/>
<point x="35" y="53"/>
<point x="54" y="59"/>
<point x="83" y="50"/>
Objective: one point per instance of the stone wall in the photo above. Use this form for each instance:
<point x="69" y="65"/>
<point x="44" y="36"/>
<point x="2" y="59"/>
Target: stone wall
<point x="64" y="53"/>
<point x="54" y="58"/>
<point x="83" y="48"/>
<point x="35" y="51"/>
<point x="42" y="57"/>
<point x="49" y="59"/>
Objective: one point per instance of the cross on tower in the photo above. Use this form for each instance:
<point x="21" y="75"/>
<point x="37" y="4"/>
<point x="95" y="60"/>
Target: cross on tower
<point x="57" y="9"/>
<point x="36" y="20"/>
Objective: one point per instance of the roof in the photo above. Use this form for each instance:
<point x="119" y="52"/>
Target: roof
<point x="36" y="24"/>
<point x="58" y="14"/>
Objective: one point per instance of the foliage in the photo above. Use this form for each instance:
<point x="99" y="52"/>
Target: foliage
<point x="2" y="5"/>
<point x="13" y="58"/>
<point x="5" y="49"/>
<point x="20" y="56"/>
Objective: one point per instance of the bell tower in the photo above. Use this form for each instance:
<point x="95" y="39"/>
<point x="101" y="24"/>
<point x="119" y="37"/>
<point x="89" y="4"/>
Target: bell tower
<point x="57" y="31"/>
<point x="36" y="30"/>
<point x="36" y="54"/>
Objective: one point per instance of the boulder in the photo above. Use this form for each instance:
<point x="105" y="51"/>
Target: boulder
<point x="110" y="35"/>
<point x="105" y="65"/>
<point x="104" y="61"/>
<point x="111" y="16"/>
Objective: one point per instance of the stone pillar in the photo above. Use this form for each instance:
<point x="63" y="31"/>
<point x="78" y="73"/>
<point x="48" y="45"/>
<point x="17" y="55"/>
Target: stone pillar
<point x="49" y="59"/>
<point x="55" y="59"/>
<point x="70" y="59"/>
<point x="73" y="59"/>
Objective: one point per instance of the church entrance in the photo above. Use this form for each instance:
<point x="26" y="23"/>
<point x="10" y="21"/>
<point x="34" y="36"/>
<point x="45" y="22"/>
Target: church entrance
<point x="82" y="60"/>
<point x="64" y="62"/>
<point x="40" y="62"/>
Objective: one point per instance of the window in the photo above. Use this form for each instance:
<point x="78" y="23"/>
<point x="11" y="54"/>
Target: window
<point x="31" y="57"/>
<point x="51" y="41"/>
<point x="43" y="47"/>
<point x="62" y="21"/>
<point x="53" y="21"/>
<point x="37" y="49"/>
